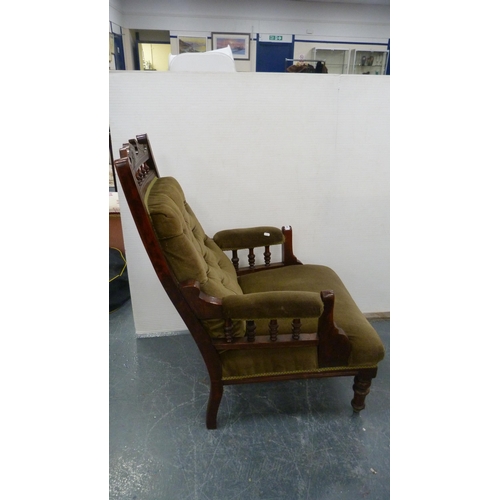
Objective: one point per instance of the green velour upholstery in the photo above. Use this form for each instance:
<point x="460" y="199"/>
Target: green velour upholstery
<point x="191" y="254"/>
<point x="236" y="239"/>
<point x="262" y="362"/>
<point x="367" y="348"/>
<point x="270" y="294"/>
<point x="272" y="305"/>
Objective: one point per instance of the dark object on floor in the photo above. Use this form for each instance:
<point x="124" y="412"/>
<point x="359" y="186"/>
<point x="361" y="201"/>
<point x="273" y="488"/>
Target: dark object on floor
<point x="237" y="314"/>
<point x="119" y="291"/>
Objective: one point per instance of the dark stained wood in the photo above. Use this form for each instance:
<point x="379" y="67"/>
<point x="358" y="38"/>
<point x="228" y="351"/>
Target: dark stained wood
<point x="228" y="330"/>
<point x="296" y="326"/>
<point x="334" y="345"/>
<point x="126" y="166"/>
<point x="136" y="169"/>
<point x="267" y="256"/>
<point x="258" y="267"/>
<point x="251" y="258"/>
<point x="362" y="383"/>
<point x="204" y="306"/>
<point x="265" y="342"/>
<point x="273" y="330"/>
<point x="289" y="258"/>
<point x="235" y="260"/>
<point x="214" y="399"/>
<point x="250" y="330"/>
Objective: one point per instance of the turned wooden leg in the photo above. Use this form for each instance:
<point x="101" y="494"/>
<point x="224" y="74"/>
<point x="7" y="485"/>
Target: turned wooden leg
<point x="214" y="399"/>
<point x="361" y="388"/>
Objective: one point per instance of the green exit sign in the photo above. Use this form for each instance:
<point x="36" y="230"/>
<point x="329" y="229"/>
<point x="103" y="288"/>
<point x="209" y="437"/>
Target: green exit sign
<point x="276" y="37"/>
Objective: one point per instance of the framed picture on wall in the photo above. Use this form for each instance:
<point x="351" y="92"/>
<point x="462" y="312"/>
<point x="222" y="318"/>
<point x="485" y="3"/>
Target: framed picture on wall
<point x="192" y="44"/>
<point x="239" y="43"/>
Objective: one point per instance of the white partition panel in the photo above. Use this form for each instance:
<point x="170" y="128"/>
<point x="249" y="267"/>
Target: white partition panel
<point x="306" y="150"/>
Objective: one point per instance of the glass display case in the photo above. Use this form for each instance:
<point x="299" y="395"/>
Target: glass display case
<point x="369" y="62"/>
<point x="336" y="60"/>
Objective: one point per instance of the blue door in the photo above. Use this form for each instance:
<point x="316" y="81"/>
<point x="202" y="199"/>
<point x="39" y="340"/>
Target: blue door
<point x="271" y="56"/>
<point x="119" y="55"/>
<point x="388" y="70"/>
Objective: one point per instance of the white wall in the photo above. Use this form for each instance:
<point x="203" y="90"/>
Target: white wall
<point x="347" y="21"/>
<point x="115" y="12"/>
<point x="310" y="151"/>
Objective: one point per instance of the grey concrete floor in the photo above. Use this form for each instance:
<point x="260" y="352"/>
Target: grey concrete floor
<point x="292" y="440"/>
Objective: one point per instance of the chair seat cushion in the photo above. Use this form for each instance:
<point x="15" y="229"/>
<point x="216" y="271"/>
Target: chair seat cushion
<point x="367" y="348"/>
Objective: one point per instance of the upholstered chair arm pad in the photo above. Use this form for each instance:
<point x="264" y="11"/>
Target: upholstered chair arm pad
<point x="252" y="237"/>
<point x="273" y="305"/>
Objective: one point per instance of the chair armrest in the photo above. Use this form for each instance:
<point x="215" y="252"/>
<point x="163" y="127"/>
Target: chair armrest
<point x="252" y="237"/>
<point x="334" y="347"/>
<point x="249" y="238"/>
<point x="273" y="305"/>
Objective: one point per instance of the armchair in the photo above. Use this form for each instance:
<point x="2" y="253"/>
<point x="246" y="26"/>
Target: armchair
<point x="258" y="322"/>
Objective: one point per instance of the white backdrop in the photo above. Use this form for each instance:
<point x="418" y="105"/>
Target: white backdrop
<point x="310" y="151"/>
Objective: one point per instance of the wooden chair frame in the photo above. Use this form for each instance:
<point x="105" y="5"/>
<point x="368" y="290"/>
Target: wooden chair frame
<point x="136" y="169"/>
